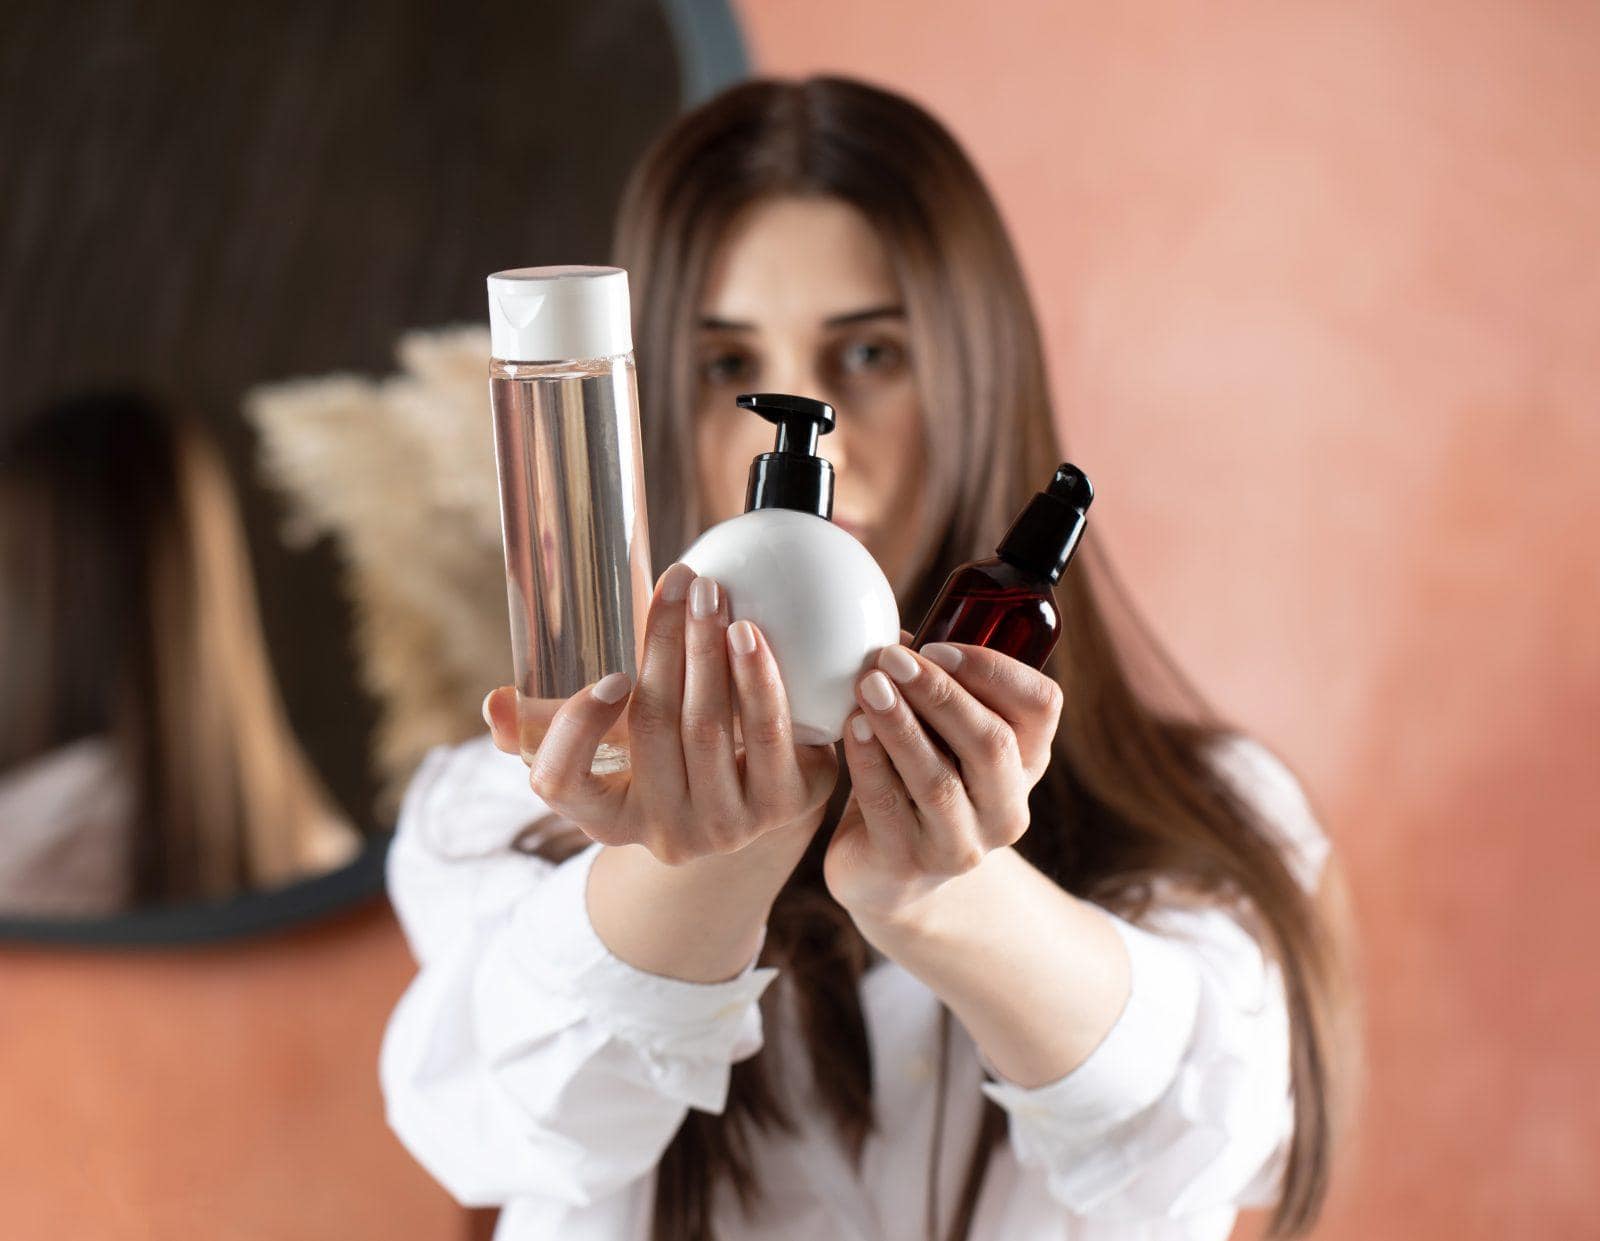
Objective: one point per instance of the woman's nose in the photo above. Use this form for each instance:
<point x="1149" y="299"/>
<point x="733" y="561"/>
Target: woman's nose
<point x="786" y="368"/>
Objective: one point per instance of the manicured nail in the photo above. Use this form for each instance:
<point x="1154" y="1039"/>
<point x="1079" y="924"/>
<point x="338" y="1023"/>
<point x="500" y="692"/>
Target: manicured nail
<point x="486" y="718"/>
<point x="675" y="583"/>
<point x="860" y="728"/>
<point x="703" y="598"/>
<point x="612" y="689"/>
<point x="875" y="688"/>
<point x="899" y="663"/>
<point x="942" y="653"/>
<point x="742" y="637"/>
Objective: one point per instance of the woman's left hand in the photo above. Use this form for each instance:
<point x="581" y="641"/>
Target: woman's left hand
<point x="919" y="817"/>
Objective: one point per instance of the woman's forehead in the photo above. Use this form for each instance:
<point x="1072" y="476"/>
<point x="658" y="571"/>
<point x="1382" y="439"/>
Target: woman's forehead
<point x="797" y="262"/>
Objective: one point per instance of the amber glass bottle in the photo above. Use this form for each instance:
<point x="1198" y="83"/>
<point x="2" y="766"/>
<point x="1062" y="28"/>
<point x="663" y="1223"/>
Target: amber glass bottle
<point x="1007" y="603"/>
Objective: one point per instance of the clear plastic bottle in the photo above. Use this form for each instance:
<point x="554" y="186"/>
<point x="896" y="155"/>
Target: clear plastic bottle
<point x="572" y="498"/>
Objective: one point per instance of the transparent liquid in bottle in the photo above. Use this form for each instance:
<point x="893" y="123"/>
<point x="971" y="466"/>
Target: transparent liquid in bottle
<point x="577" y="539"/>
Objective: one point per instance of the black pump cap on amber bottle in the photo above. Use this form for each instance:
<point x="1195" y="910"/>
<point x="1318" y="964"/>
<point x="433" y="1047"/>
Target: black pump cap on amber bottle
<point x="791" y="475"/>
<point x="1046" y="533"/>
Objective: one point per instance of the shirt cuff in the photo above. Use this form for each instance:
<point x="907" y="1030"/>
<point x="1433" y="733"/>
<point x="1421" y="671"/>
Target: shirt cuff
<point x="555" y="940"/>
<point x="1137" y="1060"/>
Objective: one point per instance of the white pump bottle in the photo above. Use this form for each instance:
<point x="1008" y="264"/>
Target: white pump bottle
<point x="816" y="593"/>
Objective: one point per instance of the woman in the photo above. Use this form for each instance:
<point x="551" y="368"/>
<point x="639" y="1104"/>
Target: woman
<point x="1118" y="911"/>
<point x="144" y="753"/>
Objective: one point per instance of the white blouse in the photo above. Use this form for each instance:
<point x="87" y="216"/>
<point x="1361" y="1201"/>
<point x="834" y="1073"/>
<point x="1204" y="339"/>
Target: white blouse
<point x="528" y="1067"/>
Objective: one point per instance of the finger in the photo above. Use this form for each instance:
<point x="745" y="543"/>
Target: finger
<point x="560" y="769"/>
<point x="707" y="720"/>
<point x="935" y="786"/>
<point x="819" y="773"/>
<point x="1025" y="698"/>
<point x="982" y="742"/>
<point x="500" y="714"/>
<point x="774" y="783"/>
<point x="876" y="788"/>
<point x="655" y="709"/>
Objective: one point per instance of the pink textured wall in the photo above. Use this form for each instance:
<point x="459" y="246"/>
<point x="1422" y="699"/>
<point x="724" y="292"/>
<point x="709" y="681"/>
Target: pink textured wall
<point x="225" y="1092"/>
<point x="1321" y="289"/>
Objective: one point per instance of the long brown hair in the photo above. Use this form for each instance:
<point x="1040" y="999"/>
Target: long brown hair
<point x="127" y="610"/>
<point x="1130" y="795"/>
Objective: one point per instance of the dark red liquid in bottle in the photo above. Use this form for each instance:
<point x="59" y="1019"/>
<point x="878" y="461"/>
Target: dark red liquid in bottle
<point x="1006" y="603"/>
<point x="994" y="604"/>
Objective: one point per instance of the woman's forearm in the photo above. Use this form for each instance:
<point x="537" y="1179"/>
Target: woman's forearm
<point x="1036" y="976"/>
<point x="698" y="922"/>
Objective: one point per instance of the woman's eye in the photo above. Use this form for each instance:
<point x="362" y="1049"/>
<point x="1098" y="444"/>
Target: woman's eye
<point x="726" y="368"/>
<point x="868" y="356"/>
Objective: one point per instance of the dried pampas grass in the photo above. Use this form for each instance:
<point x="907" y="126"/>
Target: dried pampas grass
<point x="400" y="474"/>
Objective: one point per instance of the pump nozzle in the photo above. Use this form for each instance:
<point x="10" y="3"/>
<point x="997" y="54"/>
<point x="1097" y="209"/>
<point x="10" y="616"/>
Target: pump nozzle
<point x="1046" y="533"/>
<point x="798" y="418"/>
<point x="791" y="475"/>
<point x="1072" y="485"/>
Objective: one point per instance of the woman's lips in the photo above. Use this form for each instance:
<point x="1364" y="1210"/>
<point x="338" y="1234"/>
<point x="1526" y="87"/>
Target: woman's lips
<point x="854" y="529"/>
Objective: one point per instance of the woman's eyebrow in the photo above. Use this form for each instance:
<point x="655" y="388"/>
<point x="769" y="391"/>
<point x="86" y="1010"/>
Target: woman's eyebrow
<point x="712" y="324"/>
<point x="859" y="316"/>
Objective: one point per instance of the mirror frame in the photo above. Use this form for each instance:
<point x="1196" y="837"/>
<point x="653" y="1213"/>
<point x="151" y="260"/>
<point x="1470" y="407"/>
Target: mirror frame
<point x="294" y="905"/>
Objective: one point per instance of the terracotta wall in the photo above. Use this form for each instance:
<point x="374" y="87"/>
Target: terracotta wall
<point x="1321" y="288"/>
<point x="227" y="1092"/>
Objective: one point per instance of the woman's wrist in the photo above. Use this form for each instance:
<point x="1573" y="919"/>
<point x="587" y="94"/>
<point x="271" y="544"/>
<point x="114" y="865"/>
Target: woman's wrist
<point x="918" y="912"/>
<point x="1036" y="975"/>
<point x="700" y="921"/>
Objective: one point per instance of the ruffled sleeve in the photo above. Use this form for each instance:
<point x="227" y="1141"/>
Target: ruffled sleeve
<point x="1184" y="1109"/>
<point x="526" y="1060"/>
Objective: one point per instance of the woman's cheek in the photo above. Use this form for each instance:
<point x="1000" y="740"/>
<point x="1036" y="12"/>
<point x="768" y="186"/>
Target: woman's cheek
<point x="900" y="432"/>
<point x="724" y="451"/>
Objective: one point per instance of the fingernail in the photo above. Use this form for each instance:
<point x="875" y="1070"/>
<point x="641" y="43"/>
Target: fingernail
<point x="675" y="582"/>
<point x="942" y="653"/>
<point x="742" y="637"/>
<point x="612" y="689"/>
<point x="899" y="663"/>
<point x="860" y="728"/>
<point x="486" y="718"/>
<point x="877" y="691"/>
<point x="703" y="598"/>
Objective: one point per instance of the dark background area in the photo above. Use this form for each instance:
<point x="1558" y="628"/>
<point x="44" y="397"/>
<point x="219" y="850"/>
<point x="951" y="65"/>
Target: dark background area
<point x="202" y="198"/>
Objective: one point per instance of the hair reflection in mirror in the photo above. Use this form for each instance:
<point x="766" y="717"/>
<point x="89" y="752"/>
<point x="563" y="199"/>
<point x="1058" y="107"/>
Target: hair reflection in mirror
<point x="145" y="755"/>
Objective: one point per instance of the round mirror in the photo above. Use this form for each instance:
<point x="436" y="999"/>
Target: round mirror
<point x="249" y="545"/>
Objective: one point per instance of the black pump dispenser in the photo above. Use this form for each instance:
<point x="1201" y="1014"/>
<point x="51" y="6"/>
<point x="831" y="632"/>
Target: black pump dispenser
<point x="791" y="475"/>
<point x="1045" y="534"/>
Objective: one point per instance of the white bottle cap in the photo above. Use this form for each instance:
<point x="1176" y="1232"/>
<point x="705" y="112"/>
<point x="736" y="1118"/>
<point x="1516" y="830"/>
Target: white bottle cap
<point x="559" y="314"/>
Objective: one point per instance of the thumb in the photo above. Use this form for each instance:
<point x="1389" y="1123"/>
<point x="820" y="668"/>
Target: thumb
<point x="500" y="714"/>
<point x="562" y="767"/>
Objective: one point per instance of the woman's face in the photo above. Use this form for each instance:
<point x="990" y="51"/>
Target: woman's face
<point x="801" y="298"/>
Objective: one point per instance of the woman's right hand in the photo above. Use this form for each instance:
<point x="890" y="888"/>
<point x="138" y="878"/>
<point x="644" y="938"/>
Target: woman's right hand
<point x="696" y="786"/>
